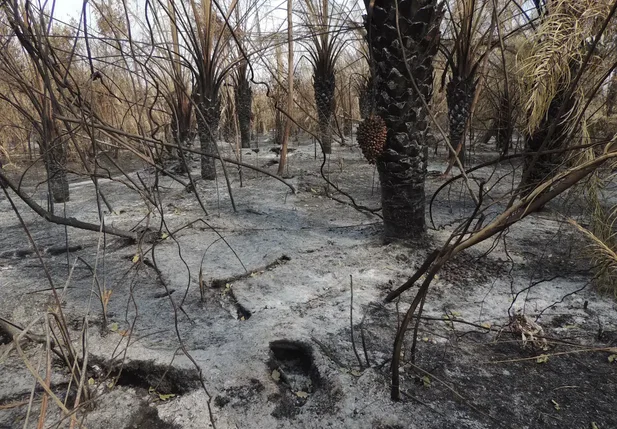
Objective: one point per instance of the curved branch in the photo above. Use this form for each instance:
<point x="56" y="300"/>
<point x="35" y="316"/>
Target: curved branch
<point x="68" y="221"/>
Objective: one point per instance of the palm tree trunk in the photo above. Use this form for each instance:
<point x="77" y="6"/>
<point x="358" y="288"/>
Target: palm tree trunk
<point x="401" y="103"/>
<point x="324" y="87"/>
<point x="244" y="98"/>
<point x="504" y="124"/>
<point x="208" y="118"/>
<point x="325" y="134"/>
<point x="538" y="168"/>
<point x="459" y="95"/>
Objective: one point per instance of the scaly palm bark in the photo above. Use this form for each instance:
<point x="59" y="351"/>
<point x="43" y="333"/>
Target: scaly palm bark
<point x="460" y="92"/>
<point x="401" y="103"/>
<point x="244" y="100"/>
<point x="324" y="84"/>
<point x="208" y="116"/>
<point x="366" y="97"/>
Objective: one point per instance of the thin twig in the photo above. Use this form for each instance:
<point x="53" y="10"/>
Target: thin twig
<point x="353" y="341"/>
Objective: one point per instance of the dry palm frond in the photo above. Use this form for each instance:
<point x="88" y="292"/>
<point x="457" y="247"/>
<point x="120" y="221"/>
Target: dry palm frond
<point x="602" y="249"/>
<point x="601" y="233"/>
<point x="557" y="51"/>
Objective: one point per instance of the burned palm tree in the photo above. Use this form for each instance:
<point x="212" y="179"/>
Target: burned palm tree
<point x="503" y="104"/>
<point x="324" y="47"/>
<point x="209" y="80"/>
<point x="463" y="62"/>
<point x="244" y="99"/>
<point x="178" y="98"/>
<point x="403" y="36"/>
<point x="207" y="38"/>
<point x="504" y="121"/>
<point x="556" y="59"/>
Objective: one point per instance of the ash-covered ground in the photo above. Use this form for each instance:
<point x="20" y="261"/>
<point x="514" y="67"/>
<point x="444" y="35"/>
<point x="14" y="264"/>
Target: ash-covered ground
<point x="242" y="318"/>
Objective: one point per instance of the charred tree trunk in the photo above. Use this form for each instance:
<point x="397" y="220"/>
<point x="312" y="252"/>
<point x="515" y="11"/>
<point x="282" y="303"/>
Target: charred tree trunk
<point x="324" y="99"/>
<point x="459" y="95"/>
<point x="208" y="117"/>
<point x="504" y="125"/>
<point x="55" y="163"/>
<point x="538" y="168"/>
<point x="244" y="99"/>
<point x="325" y="134"/>
<point x="402" y="166"/>
<point x="279" y="128"/>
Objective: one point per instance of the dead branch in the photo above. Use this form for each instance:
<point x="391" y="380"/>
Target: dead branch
<point x="70" y="221"/>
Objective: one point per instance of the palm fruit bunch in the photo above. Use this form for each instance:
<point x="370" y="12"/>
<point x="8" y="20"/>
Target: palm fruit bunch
<point x="372" y="133"/>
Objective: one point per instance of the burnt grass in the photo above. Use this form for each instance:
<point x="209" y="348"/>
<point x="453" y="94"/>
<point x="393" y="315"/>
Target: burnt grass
<point x="572" y="390"/>
<point x="491" y="377"/>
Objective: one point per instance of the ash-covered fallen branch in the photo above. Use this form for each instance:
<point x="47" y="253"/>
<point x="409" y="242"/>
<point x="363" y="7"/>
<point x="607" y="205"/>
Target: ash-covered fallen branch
<point x="68" y="221"/>
<point x="54" y="251"/>
<point x="220" y="283"/>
